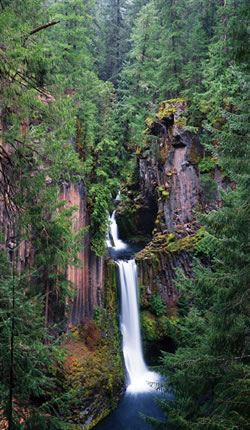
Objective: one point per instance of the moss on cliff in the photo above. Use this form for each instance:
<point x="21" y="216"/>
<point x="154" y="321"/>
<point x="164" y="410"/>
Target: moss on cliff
<point x="92" y="374"/>
<point x="135" y="217"/>
<point x="168" y="107"/>
<point x="167" y="243"/>
<point x="158" y="331"/>
<point x="171" y="113"/>
<point x="127" y="218"/>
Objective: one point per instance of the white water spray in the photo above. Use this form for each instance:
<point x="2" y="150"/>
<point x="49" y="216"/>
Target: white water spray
<point x="118" y="244"/>
<point x="140" y="379"/>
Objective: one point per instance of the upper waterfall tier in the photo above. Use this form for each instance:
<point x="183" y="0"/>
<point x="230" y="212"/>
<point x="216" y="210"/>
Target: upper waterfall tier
<point x="117" y="243"/>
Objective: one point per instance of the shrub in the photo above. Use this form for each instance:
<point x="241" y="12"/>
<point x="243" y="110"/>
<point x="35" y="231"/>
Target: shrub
<point x="156" y="304"/>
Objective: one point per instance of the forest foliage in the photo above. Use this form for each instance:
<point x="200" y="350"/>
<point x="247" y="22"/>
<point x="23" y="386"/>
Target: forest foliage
<point x="77" y="81"/>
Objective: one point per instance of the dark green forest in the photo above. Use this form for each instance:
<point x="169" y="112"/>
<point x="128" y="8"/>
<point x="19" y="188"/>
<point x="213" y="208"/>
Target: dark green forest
<point x="80" y="84"/>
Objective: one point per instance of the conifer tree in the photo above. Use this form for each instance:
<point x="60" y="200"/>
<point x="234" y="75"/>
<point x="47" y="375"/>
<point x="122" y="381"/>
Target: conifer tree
<point x="95" y="104"/>
<point x="172" y="46"/>
<point x="25" y="359"/>
<point x="139" y="88"/>
<point x="210" y="377"/>
<point x="35" y="157"/>
<point x="116" y="37"/>
<point x="209" y="374"/>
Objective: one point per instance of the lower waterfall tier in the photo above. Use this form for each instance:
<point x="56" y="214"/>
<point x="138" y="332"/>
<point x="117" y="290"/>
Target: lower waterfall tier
<point x="139" y="377"/>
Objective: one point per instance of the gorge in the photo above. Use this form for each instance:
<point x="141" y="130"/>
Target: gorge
<point x="124" y="214"/>
<point x="140" y="382"/>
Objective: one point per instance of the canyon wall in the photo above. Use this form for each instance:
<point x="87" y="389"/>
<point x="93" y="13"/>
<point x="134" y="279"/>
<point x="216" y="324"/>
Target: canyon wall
<point x="175" y="180"/>
<point x="88" y="279"/>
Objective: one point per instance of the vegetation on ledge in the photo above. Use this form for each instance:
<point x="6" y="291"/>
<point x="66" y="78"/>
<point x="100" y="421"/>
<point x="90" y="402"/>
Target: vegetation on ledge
<point x="167" y="243"/>
<point x="92" y="374"/>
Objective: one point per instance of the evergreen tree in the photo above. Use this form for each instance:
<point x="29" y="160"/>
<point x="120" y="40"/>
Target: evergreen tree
<point x="210" y="377"/>
<point x="35" y="157"/>
<point x="95" y="104"/>
<point x="139" y="87"/>
<point x="134" y="9"/>
<point x="172" y="46"/>
<point x="25" y="359"/>
<point x="199" y="19"/>
<point x="112" y="29"/>
<point x="107" y="163"/>
<point x="209" y="374"/>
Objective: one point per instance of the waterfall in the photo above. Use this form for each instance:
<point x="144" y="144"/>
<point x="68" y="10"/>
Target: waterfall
<point x="139" y="377"/>
<point x="113" y="232"/>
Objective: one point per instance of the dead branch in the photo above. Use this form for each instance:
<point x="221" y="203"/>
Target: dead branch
<point x="42" y="27"/>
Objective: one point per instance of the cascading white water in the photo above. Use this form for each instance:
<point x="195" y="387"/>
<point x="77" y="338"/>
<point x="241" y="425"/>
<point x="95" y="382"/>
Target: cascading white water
<point x="118" y="244"/>
<point x="139" y="377"/>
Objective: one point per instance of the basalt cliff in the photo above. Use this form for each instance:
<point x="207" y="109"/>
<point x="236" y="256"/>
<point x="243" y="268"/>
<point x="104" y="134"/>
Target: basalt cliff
<point x="175" y="178"/>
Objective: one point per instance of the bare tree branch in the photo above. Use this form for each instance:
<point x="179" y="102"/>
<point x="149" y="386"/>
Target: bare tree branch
<point x="42" y="27"/>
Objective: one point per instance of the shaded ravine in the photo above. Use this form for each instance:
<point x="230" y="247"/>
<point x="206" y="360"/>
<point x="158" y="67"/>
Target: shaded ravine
<point x="141" y="383"/>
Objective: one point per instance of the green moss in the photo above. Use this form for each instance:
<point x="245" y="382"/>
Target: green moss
<point x="166" y="109"/>
<point x="165" y="243"/>
<point x="149" y="121"/>
<point x="193" y="154"/>
<point x="166" y="112"/>
<point x="93" y="368"/>
<point x="181" y="122"/>
<point x="178" y="100"/>
<point x="171" y="173"/>
<point x="163" y="191"/>
<point x="148" y="326"/>
<point x="170" y="237"/>
<point x="156" y="332"/>
<point x="188" y="243"/>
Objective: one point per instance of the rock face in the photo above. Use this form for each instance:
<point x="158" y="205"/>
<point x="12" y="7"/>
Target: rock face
<point x="171" y="181"/>
<point x="93" y="371"/>
<point x="170" y="173"/>
<point x="88" y="279"/>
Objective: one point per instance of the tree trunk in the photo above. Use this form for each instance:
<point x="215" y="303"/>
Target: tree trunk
<point x="11" y="369"/>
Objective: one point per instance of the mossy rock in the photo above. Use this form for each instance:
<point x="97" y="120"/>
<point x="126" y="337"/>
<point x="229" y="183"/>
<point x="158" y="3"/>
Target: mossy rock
<point x="93" y="374"/>
<point x="169" y="107"/>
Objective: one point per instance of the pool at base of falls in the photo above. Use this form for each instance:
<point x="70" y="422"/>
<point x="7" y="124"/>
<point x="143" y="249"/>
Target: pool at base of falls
<point x="127" y="416"/>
